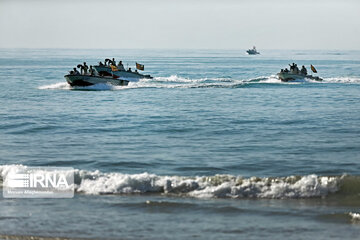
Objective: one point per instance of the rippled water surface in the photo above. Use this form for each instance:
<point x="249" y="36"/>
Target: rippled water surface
<point x="213" y="147"/>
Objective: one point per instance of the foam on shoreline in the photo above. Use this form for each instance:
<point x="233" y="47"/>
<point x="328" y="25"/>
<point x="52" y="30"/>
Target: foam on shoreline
<point x="216" y="186"/>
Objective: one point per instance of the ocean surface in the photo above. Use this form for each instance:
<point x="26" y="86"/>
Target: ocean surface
<point x="214" y="147"/>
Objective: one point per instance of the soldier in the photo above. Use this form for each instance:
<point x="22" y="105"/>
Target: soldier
<point x="76" y="72"/>
<point x="91" y="71"/>
<point x="121" y="66"/>
<point x="303" y="70"/>
<point x="85" y="68"/>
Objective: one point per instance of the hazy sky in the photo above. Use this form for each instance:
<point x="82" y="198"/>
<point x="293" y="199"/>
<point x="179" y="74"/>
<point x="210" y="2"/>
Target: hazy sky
<point x="221" y="24"/>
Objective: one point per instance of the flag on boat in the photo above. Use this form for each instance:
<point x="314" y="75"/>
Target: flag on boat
<point x="114" y="68"/>
<point x="140" y="66"/>
<point x="313" y="69"/>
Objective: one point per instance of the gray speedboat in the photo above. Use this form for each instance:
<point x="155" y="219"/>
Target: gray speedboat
<point x="88" y="80"/>
<point x="128" y="75"/>
<point x="295" y="74"/>
<point x="287" y="76"/>
<point x="252" y="51"/>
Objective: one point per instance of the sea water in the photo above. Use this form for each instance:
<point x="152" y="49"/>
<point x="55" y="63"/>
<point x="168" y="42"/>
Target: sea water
<point x="213" y="147"/>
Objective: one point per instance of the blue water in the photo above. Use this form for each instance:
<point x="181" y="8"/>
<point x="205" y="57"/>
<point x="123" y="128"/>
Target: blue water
<point x="205" y="113"/>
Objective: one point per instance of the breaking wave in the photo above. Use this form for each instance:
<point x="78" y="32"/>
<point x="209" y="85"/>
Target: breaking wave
<point x="216" y="186"/>
<point x="175" y="81"/>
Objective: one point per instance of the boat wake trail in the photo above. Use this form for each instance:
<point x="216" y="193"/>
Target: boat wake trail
<point x="66" y="86"/>
<point x="216" y="186"/>
<point x="175" y="81"/>
<point x="354" y="80"/>
<point x="60" y="85"/>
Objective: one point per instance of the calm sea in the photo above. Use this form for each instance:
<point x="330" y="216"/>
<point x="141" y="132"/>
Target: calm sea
<point x="214" y="147"/>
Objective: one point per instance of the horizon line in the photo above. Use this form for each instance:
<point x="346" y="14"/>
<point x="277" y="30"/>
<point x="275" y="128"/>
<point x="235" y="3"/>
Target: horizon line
<point x="101" y="48"/>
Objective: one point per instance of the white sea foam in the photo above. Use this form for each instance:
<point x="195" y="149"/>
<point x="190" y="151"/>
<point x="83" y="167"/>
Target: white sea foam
<point x="175" y="81"/>
<point x="264" y="79"/>
<point x="66" y="86"/>
<point x="208" y="186"/>
<point x="175" y="78"/>
<point x="342" y="80"/>
<point x="271" y="79"/>
<point x="217" y="186"/>
<point x="355" y="216"/>
<point x="59" y="85"/>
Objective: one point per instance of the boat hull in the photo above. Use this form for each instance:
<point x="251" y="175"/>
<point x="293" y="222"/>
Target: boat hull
<point x="130" y="76"/>
<point x="287" y="76"/>
<point x="87" y="80"/>
<point x="252" y="52"/>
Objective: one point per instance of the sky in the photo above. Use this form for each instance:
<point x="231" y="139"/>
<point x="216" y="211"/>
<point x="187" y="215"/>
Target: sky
<point x="186" y="24"/>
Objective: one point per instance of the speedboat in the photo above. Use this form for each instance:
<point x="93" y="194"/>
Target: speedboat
<point x="107" y="73"/>
<point x="252" y="51"/>
<point x="105" y="70"/>
<point x="287" y="76"/>
<point x="88" y="80"/>
<point x="295" y="74"/>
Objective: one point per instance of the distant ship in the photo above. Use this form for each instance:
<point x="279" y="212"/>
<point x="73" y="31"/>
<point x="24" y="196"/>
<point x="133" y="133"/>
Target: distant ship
<point x="252" y="51"/>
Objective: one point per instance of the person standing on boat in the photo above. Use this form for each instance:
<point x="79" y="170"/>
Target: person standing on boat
<point x="120" y="66"/>
<point x="113" y="62"/>
<point x="296" y="69"/>
<point x="292" y="67"/>
<point x="303" y="70"/>
<point x="76" y="72"/>
<point x="85" y="68"/>
<point x="91" y="71"/>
